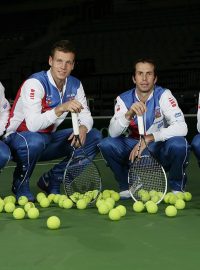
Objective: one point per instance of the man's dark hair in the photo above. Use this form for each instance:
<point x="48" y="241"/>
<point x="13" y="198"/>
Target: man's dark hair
<point x="63" y="46"/>
<point x="145" y="60"/>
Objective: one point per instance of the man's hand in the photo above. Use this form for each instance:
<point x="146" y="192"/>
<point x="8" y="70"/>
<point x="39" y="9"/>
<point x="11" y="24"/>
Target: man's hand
<point x="69" y="106"/>
<point x="138" y="108"/>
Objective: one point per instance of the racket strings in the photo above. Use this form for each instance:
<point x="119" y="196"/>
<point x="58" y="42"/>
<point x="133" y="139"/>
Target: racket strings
<point x="82" y="176"/>
<point x="146" y="173"/>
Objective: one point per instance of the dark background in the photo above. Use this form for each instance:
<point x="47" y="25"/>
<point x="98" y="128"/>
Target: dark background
<point x="109" y="35"/>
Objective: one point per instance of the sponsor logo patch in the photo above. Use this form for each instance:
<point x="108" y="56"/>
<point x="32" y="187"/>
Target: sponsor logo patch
<point x="157" y="112"/>
<point x="172" y="102"/>
<point x="32" y="94"/>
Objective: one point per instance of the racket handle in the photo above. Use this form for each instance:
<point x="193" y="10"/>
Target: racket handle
<point x="75" y="123"/>
<point x="140" y="124"/>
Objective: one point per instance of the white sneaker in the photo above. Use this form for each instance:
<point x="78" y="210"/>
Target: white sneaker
<point x="124" y="195"/>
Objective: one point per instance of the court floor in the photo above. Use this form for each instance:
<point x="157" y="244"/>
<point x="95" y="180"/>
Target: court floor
<point x="88" y="240"/>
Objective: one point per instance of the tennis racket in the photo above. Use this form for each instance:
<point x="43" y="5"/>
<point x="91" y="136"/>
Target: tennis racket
<point x="81" y="176"/>
<point x="146" y="174"/>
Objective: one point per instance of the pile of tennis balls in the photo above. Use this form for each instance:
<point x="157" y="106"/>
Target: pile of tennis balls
<point x="149" y="202"/>
<point x="106" y="205"/>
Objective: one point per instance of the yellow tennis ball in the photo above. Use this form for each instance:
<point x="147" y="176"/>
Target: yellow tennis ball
<point x="19" y="213"/>
<point x="81" y="204"/>
<point x="187" y="196"/>
<point x="111" y="201"/>
<point x="180" y="204"/>
<point x="103" y="209"/>
<point x="152" y="208"/>
<point x="40" y="195"/>
<point x="53" y="223"/>
<point x="33" y="213"/>
<point x="114" y="214"/>
<point x="106" y="194"/>
<point x="122" y="210"/>
<point x="145" y="196"/>
<point x="22" y="200"/>
<point x="67" y="204"/>
<point x="180" y="195"/>
<point x="152" y="192"/>
<point x="1" y="207"/>
<point x="44" y="202"/>
<point x="172" y="199"/>
<point x="155" y="198"/>
<point x="56" y="198"/>
<point x="28" y="205"/>
<point x="115" y="196"/>
<point x="138" y="206"/>
<point x="51" y="196"/>
<point x="171" y="211"/>
<point x="9" y="207"/>
<point x="9" y="199"/>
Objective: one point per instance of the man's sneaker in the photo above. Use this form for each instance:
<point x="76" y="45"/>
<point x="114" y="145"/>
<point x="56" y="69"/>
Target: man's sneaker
<point x="124" y="195"/>
<point x="21" y="188"/>
<point x="47" y="185"/>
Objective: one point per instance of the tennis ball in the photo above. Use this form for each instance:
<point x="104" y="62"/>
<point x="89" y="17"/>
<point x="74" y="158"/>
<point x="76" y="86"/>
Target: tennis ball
<point x="180" y="195"/>
<point x="103" y="209"/>
<point x="28" y="205"/>
<point x="56" y="198"/>
<point x="166" y="198"/>
<point x="67" y="204"/>
<point x="138" y="206"/>
<point x="33" y="213"/>
<point x="115" y="196"/>
<point x="19" y="213"/>
<point x="22" y="200"/>
<point x="50" y="197"/>
<point x="187" y="196"/>
<point x="109" y="204"/>
<point x="152" y="208"/>
<point x="39" y="196"/>
<point x="81" y="204"/>
<point x="180" y="204"/>
<point x="111" y="201"/>
<point x="10" y="199"/>
<point x="122" y="210"/>
<point x="114" y="214"/>
<point x="99" y="202"/>
<point x="9" y="207"/>
<point x="152" y="192"/>
<point x="145" y="196"/>
<point x="155" y="198"/>
<point x="171" y="211"/>
<point x="106" y="194"/>
<point x="44" y="202"/>
<point x="53" y="223"/>
<point x="172" y="198"/>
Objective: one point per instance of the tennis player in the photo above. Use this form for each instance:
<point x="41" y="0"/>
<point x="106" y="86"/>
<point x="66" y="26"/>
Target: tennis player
<point x="41" y="105"/>
<point x="164" y="125"/>
<point x="196" y="140"/>
<point x="4" y="114"/>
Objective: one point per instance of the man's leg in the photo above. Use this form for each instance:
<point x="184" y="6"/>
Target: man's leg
<point x="60" y="147"/>
<point x="196" y="147"/>
<point x="5" y="154"/>
<point x="26" y="148"/>
<point x="173" y="155"/>
<point x="116" y="154"/>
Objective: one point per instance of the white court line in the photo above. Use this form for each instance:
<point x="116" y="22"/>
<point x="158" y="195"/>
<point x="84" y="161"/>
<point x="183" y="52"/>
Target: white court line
<point x="46" y="164"/>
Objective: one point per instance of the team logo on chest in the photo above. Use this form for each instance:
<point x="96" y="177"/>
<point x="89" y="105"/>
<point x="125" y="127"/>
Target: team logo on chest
<point x="157" y="112"/>
<point x="49" y="100"/>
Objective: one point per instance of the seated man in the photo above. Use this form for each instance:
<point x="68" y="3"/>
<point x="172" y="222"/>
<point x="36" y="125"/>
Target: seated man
<point x="41" y="105"/>
<point x="196" y="140"/>
<point x="4" y="114"/>
<point x="165" y="129"/>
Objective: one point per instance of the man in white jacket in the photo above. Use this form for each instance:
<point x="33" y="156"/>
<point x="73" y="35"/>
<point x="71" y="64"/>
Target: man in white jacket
<point x="41" y="105"/>
<point x="196" y="140"/>
<point x="165" y="129"/>
<point x="4" y="114"/>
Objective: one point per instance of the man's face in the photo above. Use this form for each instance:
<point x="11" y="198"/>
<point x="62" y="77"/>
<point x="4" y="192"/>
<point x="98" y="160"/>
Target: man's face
<point x="61" y="64"/>
<point x="144" y="77"/>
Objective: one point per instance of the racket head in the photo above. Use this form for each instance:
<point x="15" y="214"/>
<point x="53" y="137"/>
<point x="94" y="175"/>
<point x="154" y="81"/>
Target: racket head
<point x="82" y="179"/>
<point x="146" y="174"/>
